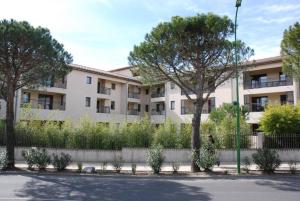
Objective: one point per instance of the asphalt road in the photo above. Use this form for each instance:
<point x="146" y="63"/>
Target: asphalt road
<point x="52" y="188"/>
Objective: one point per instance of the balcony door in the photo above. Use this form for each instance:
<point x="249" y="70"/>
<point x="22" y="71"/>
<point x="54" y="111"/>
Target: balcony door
<point x="259" y="103"/>
<point x="45" y="102"/>
<point x="259" y="81"/>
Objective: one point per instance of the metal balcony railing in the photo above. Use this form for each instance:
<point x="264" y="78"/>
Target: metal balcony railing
<point x="277" y="83"/>
<point x="188" y="110"/>
<point x="44" y="105"/>
<point x="255" y="107"/>
<point x="57" y="84"/>
<point x="104" y="90"/>
<point x="157" y="95"/>
<point x="103" y="109"/>
<point x="133" y="95"/>
<point x="133" y="112"/>
<point x="158" y="112"/>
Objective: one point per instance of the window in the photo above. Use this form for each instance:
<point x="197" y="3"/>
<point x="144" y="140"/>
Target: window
<point x="259" y="103"/>
<point x="45" y="102"/>
<point x="139" y="90"/>
<point x="62" y="100"/>
<point x="112" y="105"/>
<point x="147" y="91"/>
<point x="87" y="101"/>
<point x="147" y="108"/>
<point x="172" y="85"/>
<point x="283" y="99"/>
<point x="139" y="107"/>
<point x="113" y="86"/>
<point x="172" y="105"/>
<point x="88" y="80"/>
<point x="258" y="81"/>
<point x="282" y="77"/>
<point x="26" y="97"/>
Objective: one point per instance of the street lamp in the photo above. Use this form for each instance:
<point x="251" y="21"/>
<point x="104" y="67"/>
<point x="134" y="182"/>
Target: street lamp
<point x="238" y="151"/>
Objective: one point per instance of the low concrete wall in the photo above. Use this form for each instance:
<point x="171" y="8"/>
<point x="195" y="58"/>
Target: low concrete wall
<point x="136" y="155"/>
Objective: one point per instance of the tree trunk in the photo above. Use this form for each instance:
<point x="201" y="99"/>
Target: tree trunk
<point x="196" y="135"/>
<point x="10" y="135"/>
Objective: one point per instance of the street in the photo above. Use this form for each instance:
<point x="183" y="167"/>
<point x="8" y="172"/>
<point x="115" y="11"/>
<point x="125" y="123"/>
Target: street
<point x="110" y="188"/>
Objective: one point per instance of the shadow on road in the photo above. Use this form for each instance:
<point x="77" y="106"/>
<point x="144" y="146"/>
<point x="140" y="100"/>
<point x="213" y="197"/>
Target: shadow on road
<point x="108" y="189"/>
<point x="282" y="183"/>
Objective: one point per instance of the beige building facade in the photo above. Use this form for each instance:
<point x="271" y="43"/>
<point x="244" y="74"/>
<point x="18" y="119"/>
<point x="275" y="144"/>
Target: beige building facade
<point x="117" y="96"/>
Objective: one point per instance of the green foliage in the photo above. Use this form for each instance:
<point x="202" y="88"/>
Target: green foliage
<point x="36" y="157"/>
<point x="117" y="163"/>
<point x="166" y="135"/>
<point x="246" y="163"/>
<point x="185" y="135"/>
<point x="266" y="159"/>
<point x="290" y="51"/>
<point x="207" y="158"/>
<point x="155" y="158"/>
<point x="138" y="134"/>
<point x="3" y="159"/>
<point x="280" y="119"/>
<point x="60" y="162"/>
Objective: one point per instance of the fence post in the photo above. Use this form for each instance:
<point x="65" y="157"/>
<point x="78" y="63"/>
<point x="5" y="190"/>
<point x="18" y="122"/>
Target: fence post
<point x="260" y="140"/>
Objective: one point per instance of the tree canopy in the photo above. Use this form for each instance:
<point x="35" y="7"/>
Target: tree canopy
<point x="290" y="51"/>
<point x="196" y="53"/>
<point x="28" y="56"/>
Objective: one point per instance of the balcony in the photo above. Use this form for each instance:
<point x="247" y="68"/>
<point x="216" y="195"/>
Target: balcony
<point x="57" y="84"/>
<point x="187" y="110"/>
<point x="157" y="95"/>
<point x="44" y="104"/>
<point x="277" y="83"/>
<point x="103" y="109"/>
<point x="104" y="90"/>
<point x="134" y="95"/>
<point x="158" y="112"/>
<point x="133" y="112"/>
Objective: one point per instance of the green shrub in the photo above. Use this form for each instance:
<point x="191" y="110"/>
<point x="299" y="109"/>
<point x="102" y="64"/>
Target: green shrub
<point x="207" y="158"/>
<point x="281" y="119"/>
<point x="166" y="135"/>
<point x="138" y="134"/>
<point x="185" y="135"/>
<point x="155" y="158"/>
<point x="266" y="159"/>
<point x="60" y="162"/>
<point x="36" y="157"/>
<point x="117" y="163"/>
<point x="133" y="168"/>
<point x="3" y="159"/>
<point x="246" y="163"/>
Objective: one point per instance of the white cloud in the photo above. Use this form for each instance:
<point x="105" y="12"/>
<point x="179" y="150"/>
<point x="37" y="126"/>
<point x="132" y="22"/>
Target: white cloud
<point x="281" y="7"/>
<point x="275" y="20"/>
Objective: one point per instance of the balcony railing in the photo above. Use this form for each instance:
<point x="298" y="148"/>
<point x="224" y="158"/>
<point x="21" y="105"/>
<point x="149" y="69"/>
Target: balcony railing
<point x="133" y="112"/>
<point x="256" y="107"/>
<point x="133" y="95"/>
<point x="188" y="110"/>
<point x="58" y="84"/>
<point x="255" y="85"/>
<point x="103" y="90"/>
<point x="157" y="95"/>
<point x="103" y="109"/>
<point x="158" y="112"/>
<point x="44" y="105"/>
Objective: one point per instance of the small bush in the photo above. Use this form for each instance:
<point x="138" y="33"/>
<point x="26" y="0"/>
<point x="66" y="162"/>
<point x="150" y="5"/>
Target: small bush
<point x="60" y="162"/>
<point x="133" y="168"/>
<point x="175" y="167"/>
<point x="36" y="157"/>
<point x="79" y="167"/>
<point x="266" y="159"/>
<point x="155" y="158"/>
<point x="246" y="163"/>
<point x="207" y="158"/>
<point x="104" y="166"/>
<point x="117" y="163"/>
<point x="3" y="160"/>
<point x="293" y="167"/>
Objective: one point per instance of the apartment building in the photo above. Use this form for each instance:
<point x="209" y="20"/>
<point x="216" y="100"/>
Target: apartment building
<point x="117" y="96"/>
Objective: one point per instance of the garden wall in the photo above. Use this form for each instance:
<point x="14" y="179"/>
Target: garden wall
<point x="139" y="155"/>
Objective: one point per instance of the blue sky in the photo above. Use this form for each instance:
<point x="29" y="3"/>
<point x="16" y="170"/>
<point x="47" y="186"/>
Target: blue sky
<point x="101" y="33"/>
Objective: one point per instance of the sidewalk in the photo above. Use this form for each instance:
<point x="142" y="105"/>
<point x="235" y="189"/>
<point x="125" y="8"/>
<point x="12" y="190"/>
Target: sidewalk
<point x="230" y="167"/>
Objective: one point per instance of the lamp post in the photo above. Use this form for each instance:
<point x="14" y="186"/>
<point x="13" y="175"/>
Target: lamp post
<point x="238" y="151"/>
